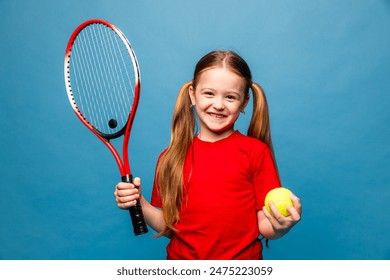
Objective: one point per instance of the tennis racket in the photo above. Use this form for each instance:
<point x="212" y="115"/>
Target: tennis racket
<point x="102" y="80"/>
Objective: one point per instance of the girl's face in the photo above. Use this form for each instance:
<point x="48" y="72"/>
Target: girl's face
<point x="219" y="98"/>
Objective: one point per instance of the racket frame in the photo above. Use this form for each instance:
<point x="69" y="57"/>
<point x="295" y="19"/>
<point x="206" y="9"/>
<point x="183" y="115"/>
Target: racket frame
<point x="123" y="165"/>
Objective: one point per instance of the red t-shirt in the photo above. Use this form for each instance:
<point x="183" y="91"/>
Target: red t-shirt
<point x="225" y="184"/>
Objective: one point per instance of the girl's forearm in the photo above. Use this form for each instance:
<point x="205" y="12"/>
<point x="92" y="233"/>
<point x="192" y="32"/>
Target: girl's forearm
<point x="268" y="232"/>
<point x="153" y="216"/>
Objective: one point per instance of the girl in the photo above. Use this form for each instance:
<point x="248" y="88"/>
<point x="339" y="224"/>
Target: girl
<point x="209" y="189"/>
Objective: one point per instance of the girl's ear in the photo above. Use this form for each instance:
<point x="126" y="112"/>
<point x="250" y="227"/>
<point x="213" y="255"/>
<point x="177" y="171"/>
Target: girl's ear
<point x="191" y="93"/>
<point x="245" y="102"/>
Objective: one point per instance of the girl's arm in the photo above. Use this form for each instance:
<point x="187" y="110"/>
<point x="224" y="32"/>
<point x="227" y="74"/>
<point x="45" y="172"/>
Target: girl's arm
<point x="274" y="227"/>
<point x="126" y="195"/>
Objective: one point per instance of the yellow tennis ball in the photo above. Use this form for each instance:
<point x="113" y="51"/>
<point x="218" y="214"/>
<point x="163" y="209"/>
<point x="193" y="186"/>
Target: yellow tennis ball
<point x="281" y="198"/>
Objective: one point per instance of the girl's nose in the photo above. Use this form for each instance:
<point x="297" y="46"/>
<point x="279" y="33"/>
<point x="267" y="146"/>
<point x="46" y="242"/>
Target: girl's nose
<point x="218" y="104"/>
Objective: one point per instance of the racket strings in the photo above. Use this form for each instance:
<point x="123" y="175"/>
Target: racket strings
<point x="103" y="78"/>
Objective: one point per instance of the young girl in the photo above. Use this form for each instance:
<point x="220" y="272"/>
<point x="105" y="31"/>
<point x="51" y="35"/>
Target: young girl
<point x="209" y="189"/>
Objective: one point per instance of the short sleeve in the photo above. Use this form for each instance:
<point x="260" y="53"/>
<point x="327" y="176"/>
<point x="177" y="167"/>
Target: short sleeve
<point x="156" y="197"/>
<point x="265" y="176"/>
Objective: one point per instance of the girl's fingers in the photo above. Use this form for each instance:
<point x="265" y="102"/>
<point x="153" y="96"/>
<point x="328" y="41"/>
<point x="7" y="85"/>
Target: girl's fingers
<point x="126" y="205"/>
<point x="124" y="186"/>
<point x="137" y="182"/>
<point x="126" y="194"/>
<point x="297" y="204"/>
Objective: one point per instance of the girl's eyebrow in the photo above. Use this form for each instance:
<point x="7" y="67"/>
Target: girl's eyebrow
<point x="229" y="91"/>
<point x="206" y="88"/>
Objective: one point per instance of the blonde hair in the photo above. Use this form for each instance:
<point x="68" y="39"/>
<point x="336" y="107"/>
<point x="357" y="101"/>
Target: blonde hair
<point x="170" y="167"/>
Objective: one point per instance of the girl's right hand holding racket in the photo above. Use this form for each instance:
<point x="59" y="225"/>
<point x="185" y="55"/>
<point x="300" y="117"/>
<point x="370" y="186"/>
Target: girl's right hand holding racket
<point x="126" y="194"/>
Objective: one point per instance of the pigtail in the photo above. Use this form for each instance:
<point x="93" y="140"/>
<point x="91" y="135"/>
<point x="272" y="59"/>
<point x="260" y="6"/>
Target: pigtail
<point x="259" y="126"/>
<point x="170" y="167"/>
<point x="183" y="119"/>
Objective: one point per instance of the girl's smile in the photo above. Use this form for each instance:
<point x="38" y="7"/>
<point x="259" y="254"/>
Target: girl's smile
<point x="217" y="116"/>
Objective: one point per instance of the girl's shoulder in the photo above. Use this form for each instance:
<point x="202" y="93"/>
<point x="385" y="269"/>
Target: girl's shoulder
<point x="249" y="141"/>
<point x="252" y="147"/>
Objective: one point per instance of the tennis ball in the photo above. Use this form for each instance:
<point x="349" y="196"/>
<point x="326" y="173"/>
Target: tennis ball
<point x="281" y="198"/>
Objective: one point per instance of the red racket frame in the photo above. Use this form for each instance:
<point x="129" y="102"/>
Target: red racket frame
<point x="123" y="165"/>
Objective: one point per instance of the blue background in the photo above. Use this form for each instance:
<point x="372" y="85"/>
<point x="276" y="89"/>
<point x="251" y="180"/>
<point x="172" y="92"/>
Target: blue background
<point x="324" y="65"/>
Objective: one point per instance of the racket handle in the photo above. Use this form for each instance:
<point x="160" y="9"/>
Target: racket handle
<point x="137" y="217"/>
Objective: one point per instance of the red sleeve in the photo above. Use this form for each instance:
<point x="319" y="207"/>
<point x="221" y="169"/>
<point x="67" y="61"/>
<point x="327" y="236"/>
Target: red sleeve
<point x="156" y="198"/>
<point x="265" y="177"/>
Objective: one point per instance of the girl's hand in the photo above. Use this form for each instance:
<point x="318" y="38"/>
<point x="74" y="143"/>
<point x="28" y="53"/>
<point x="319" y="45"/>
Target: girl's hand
<point x="126" y="194"/>
<point x="280" y="224"/>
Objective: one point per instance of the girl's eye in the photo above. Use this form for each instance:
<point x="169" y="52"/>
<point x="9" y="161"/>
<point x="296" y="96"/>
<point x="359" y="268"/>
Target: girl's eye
<point x="208" y="93"/>
<point x="231" y="97"/>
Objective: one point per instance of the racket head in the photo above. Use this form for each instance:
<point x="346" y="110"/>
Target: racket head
<point x="102" y="78"/>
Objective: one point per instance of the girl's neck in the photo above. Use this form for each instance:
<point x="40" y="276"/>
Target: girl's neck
<point x="214" y="137"/>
